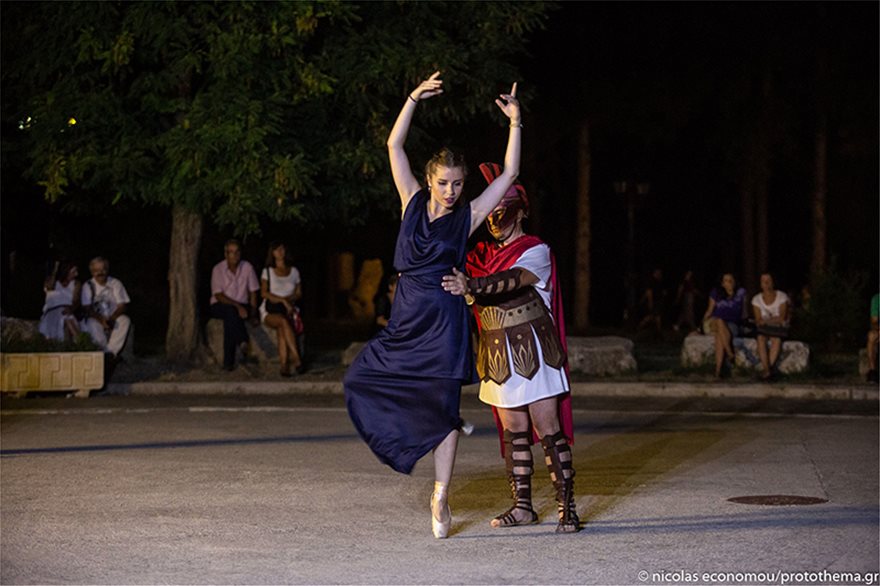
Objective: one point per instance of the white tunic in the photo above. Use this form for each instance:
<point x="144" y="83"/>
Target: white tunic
<point x="547" y="382"/>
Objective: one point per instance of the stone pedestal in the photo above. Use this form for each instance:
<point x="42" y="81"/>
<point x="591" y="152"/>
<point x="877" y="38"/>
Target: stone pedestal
<point x="601" y="355"/>
<point x="697" y="350"/>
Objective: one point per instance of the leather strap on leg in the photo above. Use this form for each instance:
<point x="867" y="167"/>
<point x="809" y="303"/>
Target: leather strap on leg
<point x="520" y="467"/>
<point x="557" y="455"/>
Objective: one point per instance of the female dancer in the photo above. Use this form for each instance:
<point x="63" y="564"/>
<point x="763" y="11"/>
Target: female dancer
<point x="281" y="288"/>
<point x="403" y="390"/>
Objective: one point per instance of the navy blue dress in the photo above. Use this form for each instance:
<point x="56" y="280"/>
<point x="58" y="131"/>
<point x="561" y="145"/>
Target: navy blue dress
<point x="403" y="390"/>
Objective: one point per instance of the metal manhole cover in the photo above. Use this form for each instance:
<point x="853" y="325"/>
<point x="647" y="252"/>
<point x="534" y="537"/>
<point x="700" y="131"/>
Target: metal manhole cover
<point x="777" y="500"/>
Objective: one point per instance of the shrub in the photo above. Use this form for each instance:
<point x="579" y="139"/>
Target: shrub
<point x="13" y="343"/>
<point x="836" y="317"/>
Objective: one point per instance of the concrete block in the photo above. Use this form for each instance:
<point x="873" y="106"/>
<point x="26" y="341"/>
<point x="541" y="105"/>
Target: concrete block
<point x="601" y="355"/>
<point x="263" y="342"/>
<point x="863" y="362"/>
<point x="351" y="352"/>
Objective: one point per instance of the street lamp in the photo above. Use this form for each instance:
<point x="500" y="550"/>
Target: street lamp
<point x="632" y="191"/>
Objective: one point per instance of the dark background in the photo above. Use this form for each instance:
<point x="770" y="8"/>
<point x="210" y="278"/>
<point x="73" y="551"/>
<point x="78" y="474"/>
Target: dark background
<point x="669" y="89"/>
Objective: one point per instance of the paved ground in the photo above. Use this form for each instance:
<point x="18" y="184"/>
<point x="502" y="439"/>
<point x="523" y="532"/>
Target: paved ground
<point x="278" y="489"/>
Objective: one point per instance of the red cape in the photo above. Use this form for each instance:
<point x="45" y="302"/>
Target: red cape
<point x="488" y="258"/>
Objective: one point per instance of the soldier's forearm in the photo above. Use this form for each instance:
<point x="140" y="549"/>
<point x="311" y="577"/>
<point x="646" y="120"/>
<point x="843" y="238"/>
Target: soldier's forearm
<point x="493" y="284"/>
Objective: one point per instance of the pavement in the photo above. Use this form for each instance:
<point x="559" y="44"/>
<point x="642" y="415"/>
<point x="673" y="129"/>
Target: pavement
<point x="856" y="392"/>
<point x="278" y="489"/>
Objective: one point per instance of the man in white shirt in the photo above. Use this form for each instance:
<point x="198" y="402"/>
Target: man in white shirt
<point x="105" y="301"/>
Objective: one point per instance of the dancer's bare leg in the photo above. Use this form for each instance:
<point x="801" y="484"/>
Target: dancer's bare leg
<point x="444" y="462"/>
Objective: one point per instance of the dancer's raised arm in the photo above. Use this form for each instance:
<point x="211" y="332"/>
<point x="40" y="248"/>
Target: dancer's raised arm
<point x="483" y="205"/>
<point x="406" y="183"/>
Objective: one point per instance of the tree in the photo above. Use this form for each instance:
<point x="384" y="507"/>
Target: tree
<point x="584" y="224"/>
<point x="819" y="263"/>
<point x="237" y="112"/>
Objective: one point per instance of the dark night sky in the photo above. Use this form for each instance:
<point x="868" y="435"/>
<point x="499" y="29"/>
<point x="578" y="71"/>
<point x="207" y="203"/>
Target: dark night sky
<point x="669" y="89"/>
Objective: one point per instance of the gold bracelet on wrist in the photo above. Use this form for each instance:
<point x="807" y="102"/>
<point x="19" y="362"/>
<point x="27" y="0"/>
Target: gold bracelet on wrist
<point x="516" y="125"/>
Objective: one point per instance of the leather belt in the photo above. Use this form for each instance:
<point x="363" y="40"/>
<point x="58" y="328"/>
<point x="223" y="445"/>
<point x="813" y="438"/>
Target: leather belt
<point x="495" y="318"/>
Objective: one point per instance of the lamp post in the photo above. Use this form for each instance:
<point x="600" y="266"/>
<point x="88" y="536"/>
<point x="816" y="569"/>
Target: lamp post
<point x="632" y="191"/>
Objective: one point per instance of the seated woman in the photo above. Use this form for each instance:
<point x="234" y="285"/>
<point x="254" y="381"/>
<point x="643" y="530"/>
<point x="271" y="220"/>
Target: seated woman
<point x="62" y="288"/>
<point x="281" y="288"/>
<point x="771" y="308"/>
<point x="723" y="318"/>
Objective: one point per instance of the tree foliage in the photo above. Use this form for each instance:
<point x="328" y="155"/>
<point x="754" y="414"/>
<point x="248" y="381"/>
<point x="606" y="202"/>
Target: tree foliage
<point x="240" y="110"/>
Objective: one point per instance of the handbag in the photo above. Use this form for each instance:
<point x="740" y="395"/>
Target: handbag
<point x="297" y="322"/>
<point x="773" y="330"/>
<point x="275" y="307"/>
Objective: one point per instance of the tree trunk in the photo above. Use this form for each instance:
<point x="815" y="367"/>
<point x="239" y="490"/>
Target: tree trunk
<point x="820" y="189"/>
<point x="762" y="173"/>
<point x="820" y="194"/>
<point x="182" y="337"/>
<point x="582" y="258"/>
<point x="747" y="211"/>
<point x="754" y="189"/>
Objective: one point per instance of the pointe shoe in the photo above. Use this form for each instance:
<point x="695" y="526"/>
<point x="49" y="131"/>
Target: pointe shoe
<point x="440" y="528"/>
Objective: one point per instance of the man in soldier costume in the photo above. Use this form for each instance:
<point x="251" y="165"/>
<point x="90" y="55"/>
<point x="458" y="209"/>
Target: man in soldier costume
<point x="521" y="357"/>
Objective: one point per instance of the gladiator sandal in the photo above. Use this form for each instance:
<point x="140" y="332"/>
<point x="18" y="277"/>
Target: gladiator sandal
<point x="518" y="460"/>
<point x="557" y="455"/>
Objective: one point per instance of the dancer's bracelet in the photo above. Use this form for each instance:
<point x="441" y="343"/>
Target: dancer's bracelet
<point x="415" y="101"/>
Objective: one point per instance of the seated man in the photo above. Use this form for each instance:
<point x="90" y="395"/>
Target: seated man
<point x="104" y="302"/>
<point x="234" y="289"/>
<point x="874" y="339"/>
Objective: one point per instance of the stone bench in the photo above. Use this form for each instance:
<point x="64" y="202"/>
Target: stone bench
<point x="698" y="350"/>
<point x="263" y="341"/>
<point x="598" y="356"/>
<point x="863" y="362"/>
<point x="602" y="355"/>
